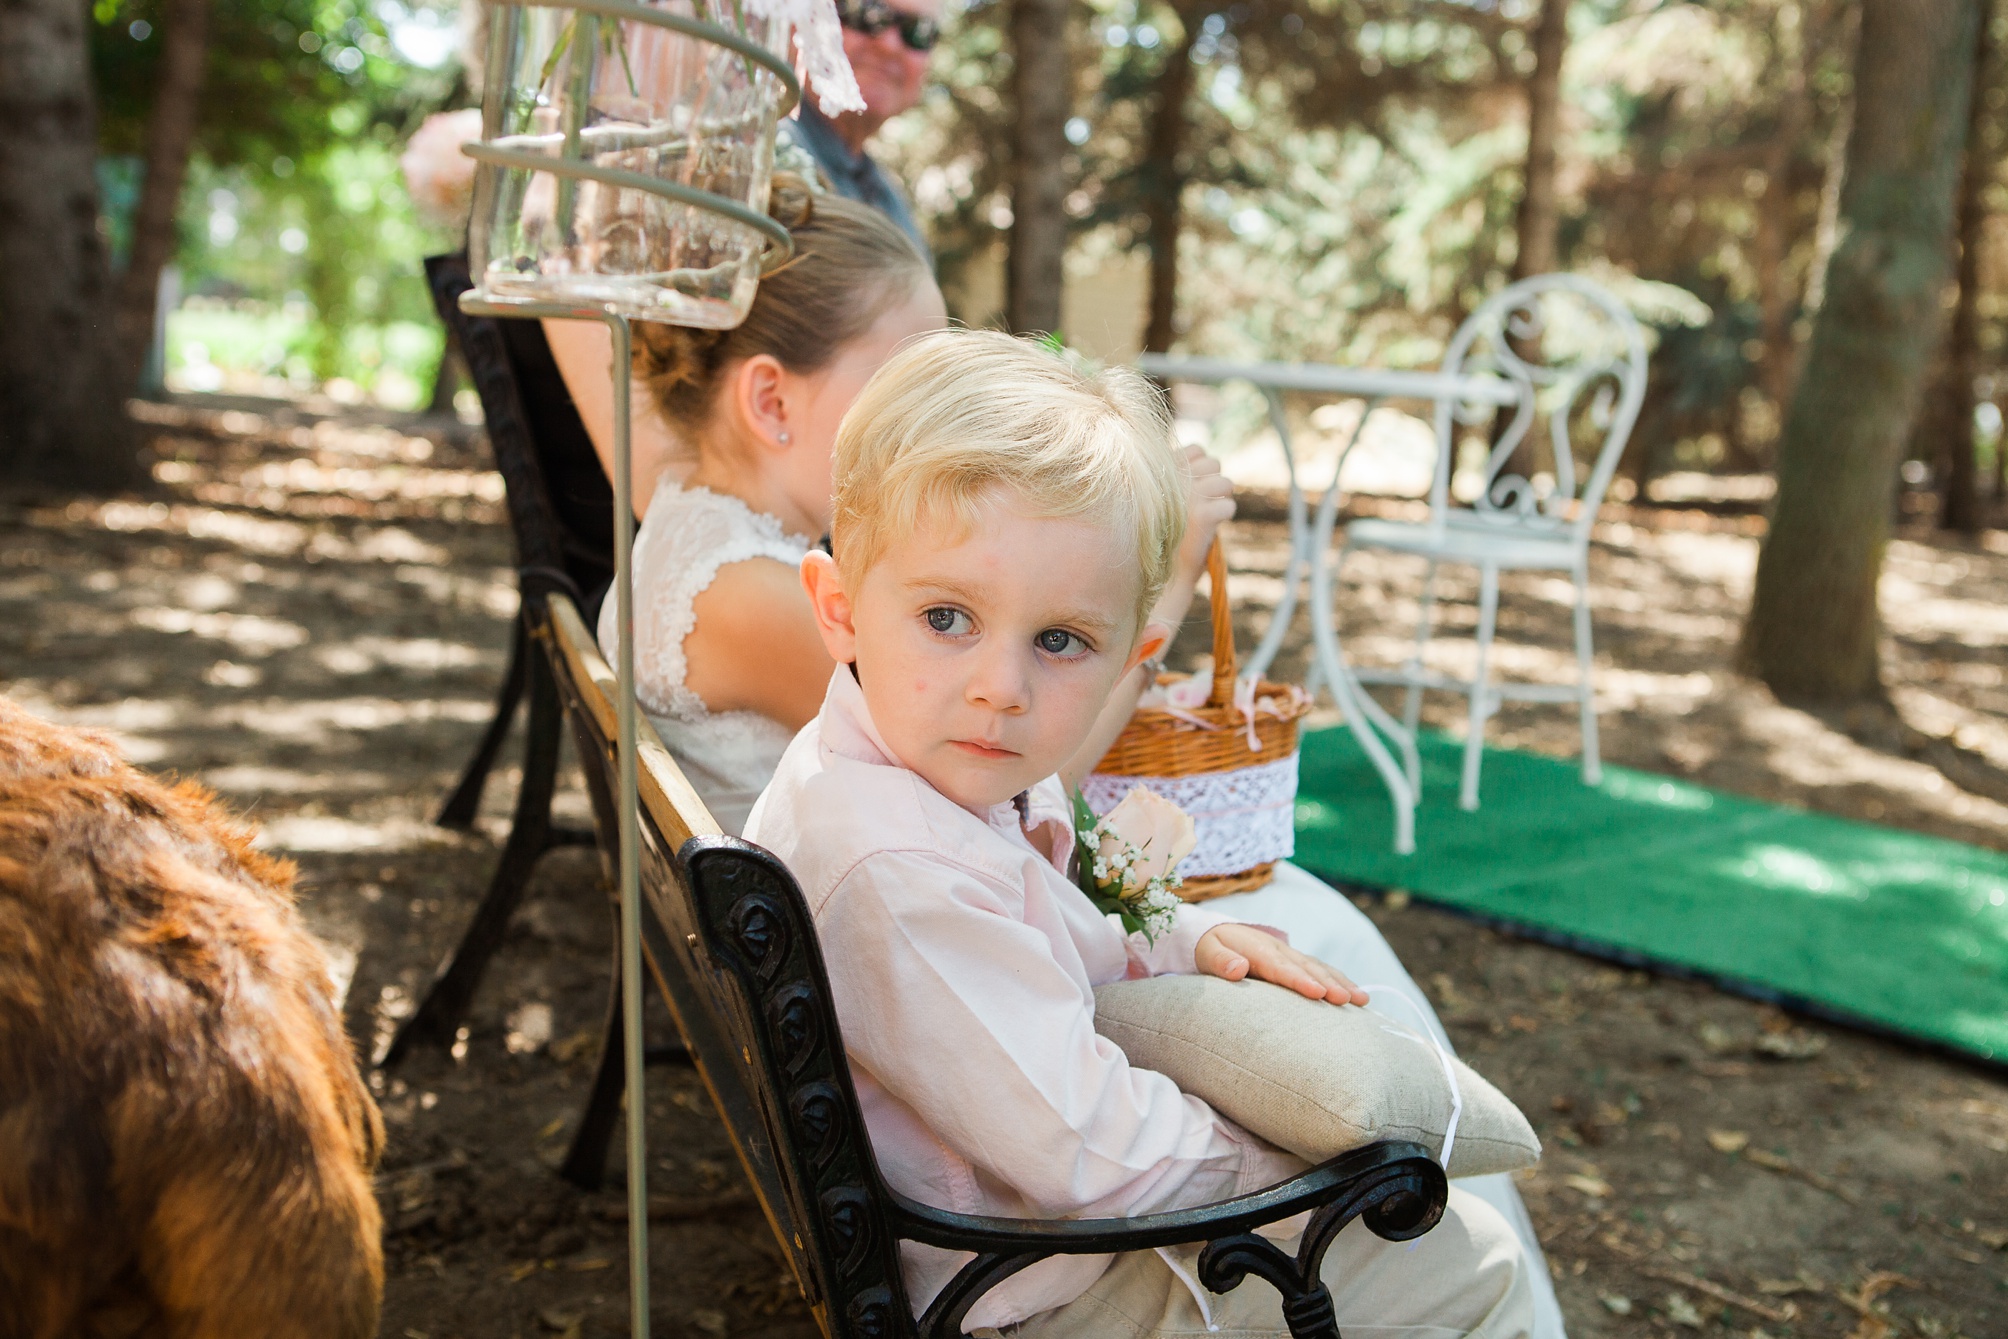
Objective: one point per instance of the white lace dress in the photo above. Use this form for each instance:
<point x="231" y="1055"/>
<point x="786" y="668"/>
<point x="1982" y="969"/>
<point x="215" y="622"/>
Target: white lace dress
<point x="688" y="534"/>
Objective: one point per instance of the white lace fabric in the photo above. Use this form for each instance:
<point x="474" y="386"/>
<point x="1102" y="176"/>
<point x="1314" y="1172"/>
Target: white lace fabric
<point x="686" y="537"/>
<point x="1242" y="817"/>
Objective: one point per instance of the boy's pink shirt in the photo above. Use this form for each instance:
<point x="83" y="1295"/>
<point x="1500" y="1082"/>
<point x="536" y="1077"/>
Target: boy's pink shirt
<point x="963" y="963"/>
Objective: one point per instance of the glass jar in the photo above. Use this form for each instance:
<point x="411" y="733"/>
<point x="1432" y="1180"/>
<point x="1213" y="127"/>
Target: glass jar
<point x="658" y="122"/>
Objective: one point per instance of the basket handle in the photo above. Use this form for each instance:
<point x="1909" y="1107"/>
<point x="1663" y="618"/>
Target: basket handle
<point x="1223" y="627"/>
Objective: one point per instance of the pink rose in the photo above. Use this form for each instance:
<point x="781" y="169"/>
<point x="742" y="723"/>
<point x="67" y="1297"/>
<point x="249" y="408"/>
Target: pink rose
<point x="1158" y="831"/>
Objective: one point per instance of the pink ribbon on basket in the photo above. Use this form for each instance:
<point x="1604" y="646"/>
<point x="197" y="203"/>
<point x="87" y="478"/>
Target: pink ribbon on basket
<point x="1183" y="696"/>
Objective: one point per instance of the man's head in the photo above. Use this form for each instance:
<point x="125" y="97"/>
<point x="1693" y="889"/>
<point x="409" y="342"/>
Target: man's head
<point x="1003" y="522"/>
<point x="887" y="42"/>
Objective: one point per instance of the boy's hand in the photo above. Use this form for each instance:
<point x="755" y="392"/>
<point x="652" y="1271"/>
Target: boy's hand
<point x="1232" y="952"/>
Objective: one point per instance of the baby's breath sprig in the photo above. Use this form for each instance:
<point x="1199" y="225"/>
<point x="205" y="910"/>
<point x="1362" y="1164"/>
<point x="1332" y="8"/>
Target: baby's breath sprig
<point x="1117" y="876"/>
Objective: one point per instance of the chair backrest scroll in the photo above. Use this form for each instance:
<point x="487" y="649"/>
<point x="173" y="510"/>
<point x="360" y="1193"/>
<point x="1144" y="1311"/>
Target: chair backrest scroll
<point x="1582" y="354"/>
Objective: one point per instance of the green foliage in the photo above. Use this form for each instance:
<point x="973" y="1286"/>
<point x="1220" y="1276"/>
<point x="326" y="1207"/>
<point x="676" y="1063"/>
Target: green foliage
<point x="294" y="208"/>
<point x="1351" y="170"/>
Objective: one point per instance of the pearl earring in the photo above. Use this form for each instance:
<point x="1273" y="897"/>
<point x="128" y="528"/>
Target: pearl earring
<point x="783" y="437"/>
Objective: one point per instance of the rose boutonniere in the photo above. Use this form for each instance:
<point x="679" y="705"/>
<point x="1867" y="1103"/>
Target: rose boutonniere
<point x="1127" y="859"/>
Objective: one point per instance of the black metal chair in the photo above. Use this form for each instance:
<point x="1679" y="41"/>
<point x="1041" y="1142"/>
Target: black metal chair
<point x="731" y="945"/>
<point x="561" y="515"/>
<point x="560" y="503"/>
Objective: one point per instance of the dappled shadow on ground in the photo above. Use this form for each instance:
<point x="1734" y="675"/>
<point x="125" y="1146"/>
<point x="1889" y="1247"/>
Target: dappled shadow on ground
<point x="310" y="614"/>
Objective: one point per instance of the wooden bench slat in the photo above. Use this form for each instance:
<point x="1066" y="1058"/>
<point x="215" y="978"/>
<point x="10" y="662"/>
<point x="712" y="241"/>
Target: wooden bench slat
<point x="664" y="789"/>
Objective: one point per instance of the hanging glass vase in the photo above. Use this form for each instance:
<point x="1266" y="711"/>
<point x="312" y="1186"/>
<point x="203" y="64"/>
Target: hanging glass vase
<point x="626" y="156"/>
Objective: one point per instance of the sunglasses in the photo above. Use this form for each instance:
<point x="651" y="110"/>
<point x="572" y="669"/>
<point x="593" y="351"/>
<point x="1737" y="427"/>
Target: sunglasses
<point x="872" y="17"/>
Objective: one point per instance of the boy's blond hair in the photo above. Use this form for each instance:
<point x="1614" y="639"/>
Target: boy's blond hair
<point x="957" y="415"/>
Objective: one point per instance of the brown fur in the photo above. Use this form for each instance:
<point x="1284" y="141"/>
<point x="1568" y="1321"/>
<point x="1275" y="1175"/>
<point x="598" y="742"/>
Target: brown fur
<point x="185" y="1142"/>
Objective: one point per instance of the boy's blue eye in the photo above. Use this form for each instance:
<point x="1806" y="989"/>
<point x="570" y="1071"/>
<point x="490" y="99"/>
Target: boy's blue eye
<point x="1059" y="642"/>
<point x="949" y="622"/>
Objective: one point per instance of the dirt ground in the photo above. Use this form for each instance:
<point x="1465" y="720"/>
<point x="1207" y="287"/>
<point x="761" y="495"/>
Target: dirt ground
<point x="311" y="614"/>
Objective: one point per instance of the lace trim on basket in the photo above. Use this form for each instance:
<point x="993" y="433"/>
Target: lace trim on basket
<point x="737" y="533"/>
<point x="819" y="46"/>
<point x="1243" y="817"/>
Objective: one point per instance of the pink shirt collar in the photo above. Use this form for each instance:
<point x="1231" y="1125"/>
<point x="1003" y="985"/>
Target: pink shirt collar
<point x="846" y="728"/>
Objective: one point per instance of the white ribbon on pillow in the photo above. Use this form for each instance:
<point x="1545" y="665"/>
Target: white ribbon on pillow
<point x="1442" y="1058"/>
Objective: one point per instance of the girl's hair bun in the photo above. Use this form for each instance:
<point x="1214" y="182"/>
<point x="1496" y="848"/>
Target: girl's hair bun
<point x="851" y="264"/>
<point x="677" y="360"/>
<point x="791" y="201"/>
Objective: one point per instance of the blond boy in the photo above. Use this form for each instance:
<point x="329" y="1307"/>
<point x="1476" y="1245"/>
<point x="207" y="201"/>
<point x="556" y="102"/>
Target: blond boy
<point x="1003" y="521"/>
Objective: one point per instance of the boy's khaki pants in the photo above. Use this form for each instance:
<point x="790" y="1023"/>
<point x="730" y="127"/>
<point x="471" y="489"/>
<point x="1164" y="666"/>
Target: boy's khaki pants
<point x="1465" y="1277"/>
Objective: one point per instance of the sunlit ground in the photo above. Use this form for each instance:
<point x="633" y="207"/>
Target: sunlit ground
<point x="311" y="615"/>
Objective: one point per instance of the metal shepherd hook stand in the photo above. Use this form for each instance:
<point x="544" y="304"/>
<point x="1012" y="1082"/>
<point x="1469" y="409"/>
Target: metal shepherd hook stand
<point x="570" y="168"/>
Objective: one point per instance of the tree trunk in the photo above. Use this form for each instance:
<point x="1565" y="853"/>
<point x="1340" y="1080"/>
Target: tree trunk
<point x="1164" y="185"/>
<point x="58" y="426"/>
<point x="1945" y="421"/>
<point x="1539" y="215"/>
<point x="1812" y="629"/>
<point x="170" y="133"/>
<point x="1042" y="85"/>
<point x="1774" y="219"/>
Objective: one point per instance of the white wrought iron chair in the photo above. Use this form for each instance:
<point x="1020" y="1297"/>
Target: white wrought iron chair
<point x="1584" y="355"/>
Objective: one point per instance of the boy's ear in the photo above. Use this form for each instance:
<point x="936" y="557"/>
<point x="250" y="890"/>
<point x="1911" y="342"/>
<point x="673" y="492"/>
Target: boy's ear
<point x="832" y="607"/>
<point x="1150" y="642"/>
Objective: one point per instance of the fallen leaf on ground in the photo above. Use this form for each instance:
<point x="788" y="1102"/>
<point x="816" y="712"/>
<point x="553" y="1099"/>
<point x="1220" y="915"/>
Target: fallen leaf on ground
<point x="589" y="1264"/>
<point x="1784" y="1166"/>
<point x="1593" y="1186"/>
<point x="1874" y="1324"/>
<point x="1729" y="1297"/>
<point x="1797" y="1044"/>
<point x="1727" y="1141"/>
<point x="1681" y="1311"/>
<point x="1784" y="1287"/>
<point x="1874" y="1286"/>
<point x="557" y="1124"/>
<point x="1994" y="1238"/>
<point x="1717" y="1039"/>
<point x="1616" y="1305"/>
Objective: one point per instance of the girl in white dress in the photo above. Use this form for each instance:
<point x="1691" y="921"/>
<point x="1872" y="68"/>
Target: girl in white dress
<point x="728" y="662"/>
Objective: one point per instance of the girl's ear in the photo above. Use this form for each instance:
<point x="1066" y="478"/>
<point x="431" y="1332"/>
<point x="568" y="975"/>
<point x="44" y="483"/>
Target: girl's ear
<point x="1150" y="643"/>
<point x="825" y="586"/>
<point x="760" y="387"/>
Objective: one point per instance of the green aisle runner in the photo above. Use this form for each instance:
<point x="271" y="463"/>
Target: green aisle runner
<point x="1901" y="931"/>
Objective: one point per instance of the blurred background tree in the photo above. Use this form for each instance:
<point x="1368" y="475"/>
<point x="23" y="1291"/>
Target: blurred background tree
<point x="1345" y="179"/>
<point x="57" y="426"/>
<point x="1813" y="628"/>
<point x="295" y="248"/>
<point x="1333" y="180"/>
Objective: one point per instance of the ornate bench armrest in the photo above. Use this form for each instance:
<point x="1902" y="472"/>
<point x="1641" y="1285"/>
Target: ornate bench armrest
<point x="1396" y="1187"/>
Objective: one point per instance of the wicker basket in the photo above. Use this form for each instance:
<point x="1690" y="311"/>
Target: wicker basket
<point x="1188" y="748"/>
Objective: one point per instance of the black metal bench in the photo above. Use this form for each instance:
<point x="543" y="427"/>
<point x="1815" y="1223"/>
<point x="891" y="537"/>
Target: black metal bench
<point x="730" y="943"/>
